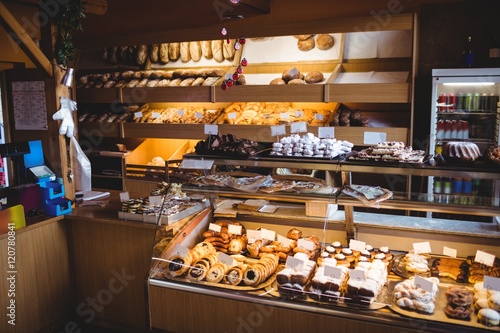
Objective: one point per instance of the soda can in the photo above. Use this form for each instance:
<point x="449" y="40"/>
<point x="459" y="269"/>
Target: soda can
<point x="452" y="100"/>
<point x="468" y="102"/>
<point x="460" y="102"/>
<point x="442" y="101"/>
<point x="475" y="103"/>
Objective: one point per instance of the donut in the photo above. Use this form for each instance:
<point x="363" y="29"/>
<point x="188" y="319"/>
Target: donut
<point x="459" y="296"/>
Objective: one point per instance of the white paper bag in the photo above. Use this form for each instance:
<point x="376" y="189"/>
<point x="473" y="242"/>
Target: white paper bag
<point x="82" y="168"/>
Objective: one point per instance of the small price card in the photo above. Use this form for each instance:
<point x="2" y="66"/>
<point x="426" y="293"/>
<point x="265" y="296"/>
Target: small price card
<point x="196" y="164"/>
<point x="268" y="234"/>
<point x="181" y="113"/>
<point x="198" y="115"/>
<point x="326" y="132"/>
<point x="448" y="251"/>
<point x="225" y="259"/>
<point x="229" y="77"/>
<point x="484" y="258"/>
<point x="318" y="116"/>
<point x="491" y="283"/>
<point x="284" y="115"/>
<point x="253" y="235"/>
<point x="284" y="240"/>
<point x="299" y="113"/>
<point x="155" y="200"/>
<point x="124" y="196"/>
<point x="357" y="274"/>
<point x="357" y="245"/>
<point x="214" y="227"/>
<point x="155" y="115"/>
<point x="423" y="283"/>
<point x="298" y="127"/>
<point x="138" y="114"/>
<point x="293" y="71"/>
<point x="181" y="250"/>
<point x="211" y="129"/>
<point x="306" y="244"/>
<point x="333" y="272"/>
<point x="234" y="229"/>
<point x="232" y="115"/>
<point x="372" y="138"/>
<point x="294" y="263"/>
<point x="278" y="130"/>
<point x="423" y="247"/>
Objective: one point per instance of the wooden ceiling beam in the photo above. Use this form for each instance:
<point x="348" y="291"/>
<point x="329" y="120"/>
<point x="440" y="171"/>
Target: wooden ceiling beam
<point x="22" y="38"/>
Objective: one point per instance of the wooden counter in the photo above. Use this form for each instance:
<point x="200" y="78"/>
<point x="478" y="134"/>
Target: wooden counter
<point x="110" y="261"/>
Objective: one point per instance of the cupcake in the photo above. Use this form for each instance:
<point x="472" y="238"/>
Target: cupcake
<point x="342" y="260"/>
<point x="348" y="254"/>
<point x="385" y="250"/>
<point x="337" y="246"/>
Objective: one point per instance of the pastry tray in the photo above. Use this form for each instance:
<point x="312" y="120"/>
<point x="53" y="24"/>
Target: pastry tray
<point x="439" y="314"/>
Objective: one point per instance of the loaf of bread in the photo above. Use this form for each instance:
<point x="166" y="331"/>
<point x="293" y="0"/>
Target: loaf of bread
<point x="324" y="41"/>
<point x="186" y="82"/>
<point x="142" y="54"/>
<point x="175" y="82"/>
<point x="217" y="46"/>
<point x="163" y="53"/>
<point x="306" y="44"/>
<point x="174" y="51"/>
<point x="314" y="77"/>
<point x="228" y="50"/>
<point x="154" y="53"/>
<point x="302" y="37"/>
<point x="184" y="50"/>
<point x="195" y="51"/>
<point x="277" y="81"/>
<point x="206" y="49"/>
<point x="296" y="81"/>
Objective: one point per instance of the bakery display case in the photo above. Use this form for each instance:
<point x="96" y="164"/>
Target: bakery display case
<point x="309" y="254"/>
<point x="465" y="125"/>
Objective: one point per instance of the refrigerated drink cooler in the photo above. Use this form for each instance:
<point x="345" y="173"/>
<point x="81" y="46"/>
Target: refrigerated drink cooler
<point x="465" y="107"/>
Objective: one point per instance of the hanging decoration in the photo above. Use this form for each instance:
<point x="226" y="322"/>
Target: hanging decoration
<point x="229" y="81"/>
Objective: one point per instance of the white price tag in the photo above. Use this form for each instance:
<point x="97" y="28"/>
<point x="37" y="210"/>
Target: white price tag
<point x="234" y="229"/>
<point x="294" y="263"/>
<point x="268" y="234"/>
<point x="484" y="258"/>
<point x="423" y="247"/>
<point x="357" y="274"/>
<point x="196" y="164"/>
<point x="357" y="245"/>
<point x="284" y="115"/>
<point x="326" y="132"/>
<point x="253" y="235"/>
<point x="155" y="200"/>
<point x="198" y="115"/>
<point x="211" y="129"/>
<point x="293" y="71"/>
<point x="306" y="244"/>
<point x="448" y="251"/>
<point x="180" y="113"/>
<point x="214" y="227"/>
<point x="298" y="127"/>
<point x="138" y="114"/>
<point x="491" y="283"/>
<point x="278" y="130"/>
<point x="124" y="196"/>
<point x="284" y="240"/>
<point x="181" y="251"/>
<point x="423" y="283"/>
<point x="155" y="115"/>
<point x="299" y="113"/>
<point x="232" y="115"/>
<point x="225" y="259"/>
<point x="333" y="272"/>
<point x="318" y="116"/>
<point x="372" y="138"/>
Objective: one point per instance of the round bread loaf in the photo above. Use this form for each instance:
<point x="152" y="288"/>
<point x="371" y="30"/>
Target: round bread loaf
<point x="302" y="37"/>
<point x="324" y="41"/>
<point x="277" y="81"/>
<point x="314" y="77"/>
<point x="306" y="44"/>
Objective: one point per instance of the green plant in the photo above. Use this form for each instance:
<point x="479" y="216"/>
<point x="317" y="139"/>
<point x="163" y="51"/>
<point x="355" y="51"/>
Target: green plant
<point x="68" y="20"/>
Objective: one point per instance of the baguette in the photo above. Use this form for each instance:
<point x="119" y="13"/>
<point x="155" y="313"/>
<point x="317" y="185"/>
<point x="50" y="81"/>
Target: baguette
<point x="206" y="49"/>
<point x="184" y="49"/>
<point x="142" y="54"/>
<point x="154" y="53"/>
<point x="228" y="51"/>
<point x="174" y="51"/>
<point x="163" y="53"/>
<point x="217" y="46"/>
<point x="195" y="51"/>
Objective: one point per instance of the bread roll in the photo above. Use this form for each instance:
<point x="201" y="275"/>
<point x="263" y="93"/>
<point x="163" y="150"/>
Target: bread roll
<point x="306" y="44"/>
<point x="314" y="77"/>
<point x="277" y="81"/>
<point x="163" y="53"/>
<point x="186" y="82"/>
<point x="217" y="46"/>
<point x="175" y="82"/>
<point x="297" y="81"/>
<point x="154" y="53"/>
<point x="198" y="81"/>
<point x="324" y="41"/>
<point x="174" y="51"/>
<point x="195" y="51"/>
<point x="185" y="54"/>
<point x="206" y="49"/>
<point x="142" y="54"/>
<point x="228" y="50"/>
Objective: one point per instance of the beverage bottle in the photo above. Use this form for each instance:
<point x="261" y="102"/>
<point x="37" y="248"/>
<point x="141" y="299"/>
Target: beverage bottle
<point x="468" y="53"/>
<point x="494" y="52"/>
